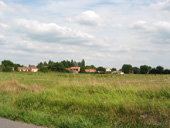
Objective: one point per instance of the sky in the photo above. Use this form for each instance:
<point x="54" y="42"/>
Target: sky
<point x="106" y="33"/>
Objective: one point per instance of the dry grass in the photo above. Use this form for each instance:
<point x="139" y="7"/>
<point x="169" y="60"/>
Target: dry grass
<point x="14" y="85"/>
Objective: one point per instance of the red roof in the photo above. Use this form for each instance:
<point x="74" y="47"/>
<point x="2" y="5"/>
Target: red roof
<point x="75" y="68"/>
<point x="23" y="68"/>
<point x="90" y="70"/>
<point x="33" y="67"/>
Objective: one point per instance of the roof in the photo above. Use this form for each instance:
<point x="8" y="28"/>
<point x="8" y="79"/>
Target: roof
<point x="90" y="70"/>
<point x="75" y="68"/>
<point x="33" y="67"/>
<point x="108" y="70"/>
<point x="23" y="68"/>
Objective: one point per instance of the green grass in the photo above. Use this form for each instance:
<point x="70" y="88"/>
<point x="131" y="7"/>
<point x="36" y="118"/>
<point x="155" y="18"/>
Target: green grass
<point x="86" y="100"/>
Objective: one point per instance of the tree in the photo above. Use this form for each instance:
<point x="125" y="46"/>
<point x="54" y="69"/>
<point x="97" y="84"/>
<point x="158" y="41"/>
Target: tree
<point x="83" y="63"/>
<point x="45" y="63"/>
<point x="7" y="65"/>
<point x="57" y="67"/>
<point x="43" y="69"/>
<point x="66" y="63"/>
<point x="90" y="67"/>
<point x="16" y="67"/>
<point x="149" y="67"/>
<point x="101" y="69"/>
<point x="50" y="62"/>
<point x="152" y="71"/>
<point x="144" y="69"/>
<point x="127" y="68"/>
<point x="40" y="65"/>
<point x="159" y="69"/>
<point x="113" y="69"/>
<point x="166" y="71"/>
<point x="136" y="70"/>
<point x="82" y="70"/>
<point x="82" y="66"/>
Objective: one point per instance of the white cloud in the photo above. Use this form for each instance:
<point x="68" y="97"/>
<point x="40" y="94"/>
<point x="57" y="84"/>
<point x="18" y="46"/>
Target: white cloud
<point x="139" y="25"/>
<point x="111" y="42"/>
<point x="165" y="5"/>
<point x="2" y="39"/>
<point x="1" y="14"/>
<point x="119" y="49"/>
<point x="4" y="26"/>
<point x="117" y="26"/>
<point x="5" y="7"/>
<point x="155" y="33"/>
<point x="89" y="18"/>
<point x="51" y="32"/>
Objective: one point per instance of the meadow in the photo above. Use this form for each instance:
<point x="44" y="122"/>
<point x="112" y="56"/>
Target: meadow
<point x="64" y="100"/>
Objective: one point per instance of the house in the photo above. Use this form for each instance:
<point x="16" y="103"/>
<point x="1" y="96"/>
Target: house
<point x="33" y="68"/>
<point x="74" y="69"/>
<point x="108" y="70"/>
<point x="30" y="69"/>
<point x="117" y="72"/>
<point x="24" y="69"/>
<point x="13" y="68"/>
<point x="90" y="70"/>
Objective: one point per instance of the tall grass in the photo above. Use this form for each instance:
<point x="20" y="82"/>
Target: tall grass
<point x="86" y="100"/>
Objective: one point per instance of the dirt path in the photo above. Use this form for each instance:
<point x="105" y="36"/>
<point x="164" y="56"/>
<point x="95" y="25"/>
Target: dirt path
<point x="5" y="123"/>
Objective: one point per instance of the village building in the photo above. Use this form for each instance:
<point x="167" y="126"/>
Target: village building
<point x="108" y="70"/>
<point x="24" y="69"/>
<point x="90" y="70"/>
<point x="13" y="68"/>
<point x="74" y="69"/>
<point x="27" y="69"/>
<point x="117" y="72"/>
<point x="33" y="68"/>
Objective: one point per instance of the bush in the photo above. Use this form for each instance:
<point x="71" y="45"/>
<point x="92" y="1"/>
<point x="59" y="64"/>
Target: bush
<point x="7" y="69"/>
<point x="43" y="69"/>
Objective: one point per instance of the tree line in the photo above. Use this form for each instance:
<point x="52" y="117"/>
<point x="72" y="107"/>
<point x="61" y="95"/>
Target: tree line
<point x="6" y="66"/>
<point x="144" y="69"/>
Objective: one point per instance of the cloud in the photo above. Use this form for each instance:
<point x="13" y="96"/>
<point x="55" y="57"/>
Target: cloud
<point x="98" y="30"/>
<point x="2" y="5"/>
<point x="11" y="8"/>
<point x="1" y="14"/>
<point x="5" y="7"/>
<point x="2" y="39"/>
<point x="51" y="32"/>
<point x="88" y="18"/>
<point x="154" y="32"/>
<point x="4" y="26"/>
<point x="117" y="26"/>
<point x="140" y="25"/>
<point x="165" y="5"/>
<point x="120" y="49"/>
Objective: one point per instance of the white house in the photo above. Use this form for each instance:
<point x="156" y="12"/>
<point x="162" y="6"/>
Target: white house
<point x="108" y="70"/>
<point x="33" y="68"/>
<point x="117" y="72"/>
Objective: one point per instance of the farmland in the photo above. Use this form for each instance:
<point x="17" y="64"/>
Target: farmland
<point x="86" y="100"/>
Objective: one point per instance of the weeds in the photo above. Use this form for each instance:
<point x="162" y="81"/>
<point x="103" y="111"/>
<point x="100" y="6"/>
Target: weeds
<point x="91" y="100"/>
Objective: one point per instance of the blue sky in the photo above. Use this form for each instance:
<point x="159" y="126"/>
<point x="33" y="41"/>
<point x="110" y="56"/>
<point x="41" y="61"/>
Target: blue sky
<point x="104" y="33"/>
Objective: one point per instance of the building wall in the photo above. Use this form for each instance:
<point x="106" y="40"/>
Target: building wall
<point x="34" y="70"/>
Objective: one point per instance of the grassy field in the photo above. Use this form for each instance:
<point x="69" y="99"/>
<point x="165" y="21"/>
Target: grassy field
<point x="86" y="100"/>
